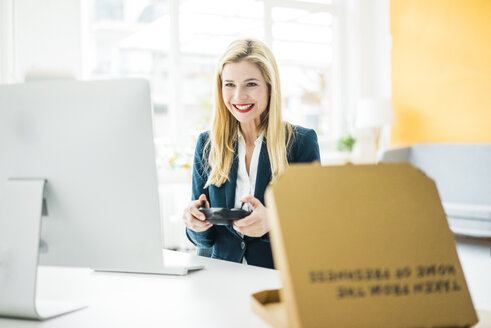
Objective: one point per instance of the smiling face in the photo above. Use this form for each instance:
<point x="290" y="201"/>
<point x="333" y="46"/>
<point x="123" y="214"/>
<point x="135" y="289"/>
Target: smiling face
<point x="244" y="91"/>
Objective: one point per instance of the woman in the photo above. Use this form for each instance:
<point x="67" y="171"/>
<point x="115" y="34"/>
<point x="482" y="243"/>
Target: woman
<point x="248" y="146"/>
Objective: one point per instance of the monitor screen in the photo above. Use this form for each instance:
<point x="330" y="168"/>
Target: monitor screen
<point x="93" y="143"/>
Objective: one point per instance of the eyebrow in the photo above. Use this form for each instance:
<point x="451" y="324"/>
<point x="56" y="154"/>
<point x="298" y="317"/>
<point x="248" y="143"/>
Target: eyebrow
<point x="247" y="80"/>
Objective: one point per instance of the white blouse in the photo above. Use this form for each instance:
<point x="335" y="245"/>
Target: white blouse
<point x="246" y="183"/>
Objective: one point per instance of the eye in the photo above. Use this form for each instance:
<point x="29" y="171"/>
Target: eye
<point x="251" y="84"/>
<point x="229" y="85"/>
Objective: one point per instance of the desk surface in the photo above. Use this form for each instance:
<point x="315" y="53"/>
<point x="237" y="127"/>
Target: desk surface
<point x="218" y="296"/>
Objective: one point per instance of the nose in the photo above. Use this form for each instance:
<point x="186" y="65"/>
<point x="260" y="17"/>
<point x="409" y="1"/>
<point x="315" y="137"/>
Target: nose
<point x="240" y="93"/>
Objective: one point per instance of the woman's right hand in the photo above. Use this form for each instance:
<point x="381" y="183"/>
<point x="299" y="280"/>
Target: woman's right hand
<point x="193" y="218"/>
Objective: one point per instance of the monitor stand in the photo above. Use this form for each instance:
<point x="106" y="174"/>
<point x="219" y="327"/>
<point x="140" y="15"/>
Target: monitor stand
<point x="174" y="263"/>
<point x="20" y="230"/>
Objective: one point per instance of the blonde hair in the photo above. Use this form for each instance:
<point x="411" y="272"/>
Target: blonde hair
<point x="223" y="135"/>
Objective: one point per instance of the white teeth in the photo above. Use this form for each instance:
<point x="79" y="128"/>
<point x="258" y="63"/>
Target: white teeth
<point x="243" y="107"/>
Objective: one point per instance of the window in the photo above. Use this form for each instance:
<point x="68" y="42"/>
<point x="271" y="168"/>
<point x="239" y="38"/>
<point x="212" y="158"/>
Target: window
<point x="176" y="44"/>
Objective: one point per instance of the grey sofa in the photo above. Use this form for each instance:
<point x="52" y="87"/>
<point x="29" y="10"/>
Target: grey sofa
<point x="462" y="173"/>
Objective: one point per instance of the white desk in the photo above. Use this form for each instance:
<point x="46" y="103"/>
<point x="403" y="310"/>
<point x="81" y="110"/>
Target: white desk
<point x="218" y="296"/>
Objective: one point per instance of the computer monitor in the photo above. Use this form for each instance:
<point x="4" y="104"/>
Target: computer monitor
<point x="93" y="143"/>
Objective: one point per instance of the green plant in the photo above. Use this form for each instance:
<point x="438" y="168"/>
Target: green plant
<point x="346" y="143"/>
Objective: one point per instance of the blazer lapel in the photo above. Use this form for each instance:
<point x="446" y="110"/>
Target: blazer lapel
<point x="232" y="183"/>
<point x="230" y="188"/>
<point x="263" y="176"/>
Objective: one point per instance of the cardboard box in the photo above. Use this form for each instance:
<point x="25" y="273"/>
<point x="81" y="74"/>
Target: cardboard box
<point x="362" y="246"/>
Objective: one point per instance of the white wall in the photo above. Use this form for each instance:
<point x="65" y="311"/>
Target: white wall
<point x="365" y="54"/>
<point x="40" y="37"/>
<point x="375" y="47"/>
<point x="6" y="39"/>
<point x="369" y="47"/>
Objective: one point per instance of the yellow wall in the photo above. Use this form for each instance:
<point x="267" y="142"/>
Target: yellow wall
<point x="441" y="70"/>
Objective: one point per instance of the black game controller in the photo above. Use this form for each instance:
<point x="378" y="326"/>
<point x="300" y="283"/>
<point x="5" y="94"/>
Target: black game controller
<point x="223" y="216"/>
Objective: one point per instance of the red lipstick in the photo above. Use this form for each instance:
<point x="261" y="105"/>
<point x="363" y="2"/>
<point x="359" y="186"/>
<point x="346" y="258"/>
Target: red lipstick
<point x="243" y="108"/>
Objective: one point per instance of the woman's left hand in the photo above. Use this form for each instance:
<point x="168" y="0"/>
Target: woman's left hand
<point x="255" y="224"/>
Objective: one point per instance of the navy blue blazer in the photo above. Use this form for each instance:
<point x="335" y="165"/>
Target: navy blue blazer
<point x="225" y="241"/>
